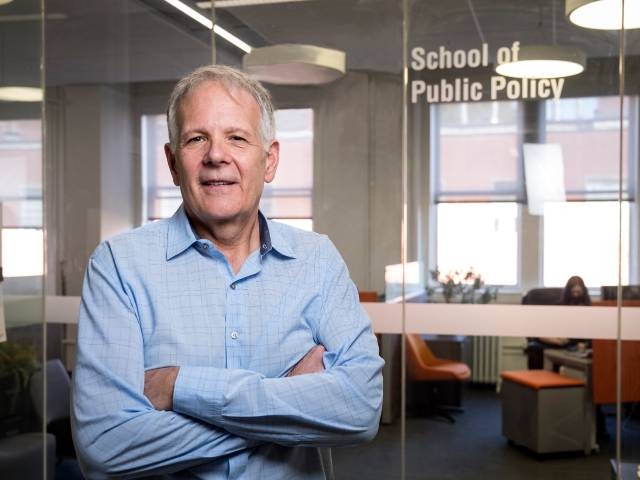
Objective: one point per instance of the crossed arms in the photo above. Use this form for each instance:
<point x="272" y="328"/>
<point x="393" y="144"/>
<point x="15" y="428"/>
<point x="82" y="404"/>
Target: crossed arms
<point x="124" y="426"/>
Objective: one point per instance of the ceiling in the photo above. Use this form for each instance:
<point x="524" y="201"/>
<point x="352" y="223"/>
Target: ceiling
<point x="98" y="41"/>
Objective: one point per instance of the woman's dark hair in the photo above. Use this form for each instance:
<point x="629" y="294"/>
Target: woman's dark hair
<point x="569" y="299"/>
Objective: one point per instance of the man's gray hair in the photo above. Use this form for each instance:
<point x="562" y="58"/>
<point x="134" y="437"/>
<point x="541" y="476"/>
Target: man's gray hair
<point x="230" y="78"/>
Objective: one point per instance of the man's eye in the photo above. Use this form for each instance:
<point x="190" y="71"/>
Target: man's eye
<point x="237" y="138"/>
<point x="196" y="139"/>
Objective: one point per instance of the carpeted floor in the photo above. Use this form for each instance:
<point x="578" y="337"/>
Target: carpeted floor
<point x="472" y="449"/>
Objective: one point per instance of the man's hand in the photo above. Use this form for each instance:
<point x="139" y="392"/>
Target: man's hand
<point x="310" y="363"/>
<point x="158" y="386"/>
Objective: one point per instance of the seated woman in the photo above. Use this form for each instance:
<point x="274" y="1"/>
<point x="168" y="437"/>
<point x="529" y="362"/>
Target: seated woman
<point x="575" y="293"/>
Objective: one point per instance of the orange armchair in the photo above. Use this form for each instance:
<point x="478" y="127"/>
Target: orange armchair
<point x="424" y="366"/>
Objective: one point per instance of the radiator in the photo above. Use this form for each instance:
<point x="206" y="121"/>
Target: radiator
<point x="485" y="359"/>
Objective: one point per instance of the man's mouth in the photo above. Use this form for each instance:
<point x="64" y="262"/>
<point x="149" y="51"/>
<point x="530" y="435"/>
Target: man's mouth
<point x="216" y="183"/>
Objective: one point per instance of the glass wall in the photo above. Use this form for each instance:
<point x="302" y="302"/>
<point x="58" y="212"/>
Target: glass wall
<point x="25" y="452"/>
<point x="462" y="199"/>
<point x="110" y="67"/>
<point x="525" y="204"/>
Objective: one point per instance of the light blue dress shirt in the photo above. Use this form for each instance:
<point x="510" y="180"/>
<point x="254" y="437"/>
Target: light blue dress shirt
<point x="159" y="296"/>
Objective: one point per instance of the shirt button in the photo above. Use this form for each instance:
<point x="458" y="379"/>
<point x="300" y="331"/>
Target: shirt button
<point x="234" y="334"/>
<point x="233" y="286"/>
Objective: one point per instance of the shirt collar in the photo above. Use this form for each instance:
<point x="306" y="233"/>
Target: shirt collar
<point x="181" y="236"/>
<point x="272" y="238"/>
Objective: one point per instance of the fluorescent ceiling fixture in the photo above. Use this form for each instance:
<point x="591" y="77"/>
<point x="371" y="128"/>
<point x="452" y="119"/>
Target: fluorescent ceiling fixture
<point x="20" y="94"/>
<point x="31" y="17"/>
<point x="292" y="64"/>
<point x="4" y="2"/>
<point x="243" y="3"/>
<point x="217" y="29"/>
<point x="603" y="14"/>
<point x="544" y="61"/>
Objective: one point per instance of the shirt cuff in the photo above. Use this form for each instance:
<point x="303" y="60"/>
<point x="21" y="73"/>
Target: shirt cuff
<point x="200" y="391"/>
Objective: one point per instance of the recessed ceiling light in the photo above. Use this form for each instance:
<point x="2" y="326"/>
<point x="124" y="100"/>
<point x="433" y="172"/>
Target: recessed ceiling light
<point x="544" y="61"/>
<point x="603" y="14"/>
<point x="20" y="94"/>
<point x="31" y="17"/>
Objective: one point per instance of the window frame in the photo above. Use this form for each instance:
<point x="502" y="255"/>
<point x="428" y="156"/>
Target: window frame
<point x="529" y="227"/>
<point x="434" y="154"/>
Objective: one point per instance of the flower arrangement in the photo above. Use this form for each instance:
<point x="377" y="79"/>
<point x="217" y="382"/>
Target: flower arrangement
<point x="465" y="285"/>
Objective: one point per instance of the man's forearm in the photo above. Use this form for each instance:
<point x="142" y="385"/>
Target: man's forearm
<point x="314" y="410"/>
<point x="159" y="383"/>
<point x="338" y="406"/>
<point x="152" y="443"/>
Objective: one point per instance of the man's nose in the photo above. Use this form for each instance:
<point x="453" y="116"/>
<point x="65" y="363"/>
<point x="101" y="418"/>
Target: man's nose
<point x="216" y="152"/>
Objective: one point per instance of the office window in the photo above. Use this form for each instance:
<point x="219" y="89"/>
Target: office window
<point x="21" y="198"/>
<point x="588" y="131"/>
<point x="478" y="182"/>
<point x="161" y="197"/>
<point x="22" y="252"/>
<point x="581" y="237"/>
<point x="479" y="235"/>
<point x="286" y="199"/>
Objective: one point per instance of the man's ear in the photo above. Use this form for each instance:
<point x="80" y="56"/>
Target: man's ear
<point x="273" y="157"/>
<point x="171" y="161"/>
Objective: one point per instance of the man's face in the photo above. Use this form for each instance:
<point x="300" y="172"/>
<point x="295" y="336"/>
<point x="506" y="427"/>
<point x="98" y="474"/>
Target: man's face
<point x="220" y="163"/>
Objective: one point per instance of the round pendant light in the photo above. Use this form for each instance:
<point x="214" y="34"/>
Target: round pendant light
<point x="293" y="64"/>
<point x="603" y="14"/>
<point x="544" y="61"/>
<point x="20" y="94"/>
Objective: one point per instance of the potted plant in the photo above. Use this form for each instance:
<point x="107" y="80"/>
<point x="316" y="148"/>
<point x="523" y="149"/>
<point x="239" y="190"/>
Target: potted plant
<point x="17" y="364"/>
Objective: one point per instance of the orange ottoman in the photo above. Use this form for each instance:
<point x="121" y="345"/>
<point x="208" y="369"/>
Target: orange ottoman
<point x="544" y="411"/>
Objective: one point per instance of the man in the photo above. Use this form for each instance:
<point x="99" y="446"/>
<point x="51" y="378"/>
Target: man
<point x="217" y="344"/>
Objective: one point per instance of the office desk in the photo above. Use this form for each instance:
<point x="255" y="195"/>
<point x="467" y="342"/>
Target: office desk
<point x="563" y="358"/>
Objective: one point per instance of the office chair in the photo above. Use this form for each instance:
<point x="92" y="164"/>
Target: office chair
<point x="58" y="400"/>
<point x="425" y="368"/>
<point x="21" y="456"/>
<point x="539" y="296"/>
